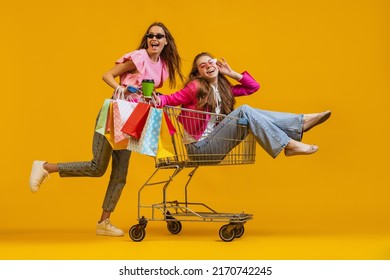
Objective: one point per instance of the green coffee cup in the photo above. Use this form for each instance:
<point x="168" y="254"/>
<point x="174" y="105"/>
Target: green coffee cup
<point x="147" y="88"/>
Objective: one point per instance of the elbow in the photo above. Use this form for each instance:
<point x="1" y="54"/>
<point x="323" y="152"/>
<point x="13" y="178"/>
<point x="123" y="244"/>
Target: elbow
<point x="104" y="77"/>
<point x="256" y="86"/>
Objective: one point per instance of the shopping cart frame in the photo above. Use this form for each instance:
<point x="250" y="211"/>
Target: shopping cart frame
<point x="174" y="212"/>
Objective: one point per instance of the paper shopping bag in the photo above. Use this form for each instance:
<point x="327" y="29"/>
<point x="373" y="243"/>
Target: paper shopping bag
<point x="126" y="108"/>
<point x="136" y="122"/>
<point x="165" y="142"/>
<point x="121" y="110"/>
<point x="169" y="124"/>
<point x="148" y="141"/>
<point x="109" y="118"/>
<point x="118" y="135"/>
<point x="101" y="123"/>
<point x="115" y="137"/>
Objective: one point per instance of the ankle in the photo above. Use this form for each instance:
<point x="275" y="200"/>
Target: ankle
<point x="50" y="167"/>
<point x="291" y="145"/>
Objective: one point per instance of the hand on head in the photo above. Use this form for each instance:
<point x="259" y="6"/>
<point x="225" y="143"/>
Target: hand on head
<point x="223" y="66"/>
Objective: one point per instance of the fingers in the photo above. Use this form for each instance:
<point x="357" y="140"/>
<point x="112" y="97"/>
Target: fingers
<point x="156" y="99"/>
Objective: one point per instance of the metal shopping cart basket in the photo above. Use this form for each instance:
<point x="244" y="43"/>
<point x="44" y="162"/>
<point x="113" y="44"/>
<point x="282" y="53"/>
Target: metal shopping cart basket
<point x="236" y="147"/>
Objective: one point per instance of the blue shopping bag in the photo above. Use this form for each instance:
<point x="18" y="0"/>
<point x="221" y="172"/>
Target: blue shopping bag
<point x="148" y="142"/>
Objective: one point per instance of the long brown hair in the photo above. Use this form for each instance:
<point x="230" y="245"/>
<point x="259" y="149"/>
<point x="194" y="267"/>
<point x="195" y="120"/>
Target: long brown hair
<point x="205" y="96"/>
<point x="169" y="54"/>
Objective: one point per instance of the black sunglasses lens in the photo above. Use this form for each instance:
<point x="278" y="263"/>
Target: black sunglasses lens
<point x="158" y="36"/>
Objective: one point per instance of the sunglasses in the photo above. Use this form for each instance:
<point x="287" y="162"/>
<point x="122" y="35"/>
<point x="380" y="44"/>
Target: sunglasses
<point x="151" y="36"/>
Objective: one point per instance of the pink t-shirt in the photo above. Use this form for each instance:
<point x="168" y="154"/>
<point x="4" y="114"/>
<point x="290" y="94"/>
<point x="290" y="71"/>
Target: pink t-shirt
<point x="147" y="69"/>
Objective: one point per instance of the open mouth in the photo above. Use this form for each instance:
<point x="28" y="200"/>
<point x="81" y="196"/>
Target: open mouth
<point x="154" y="45"/>
<point x="211" y="70"/>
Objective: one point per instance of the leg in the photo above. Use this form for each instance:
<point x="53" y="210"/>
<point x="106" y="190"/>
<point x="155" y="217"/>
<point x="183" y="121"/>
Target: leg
<point x="263" y="124"/>
<point x="120" y="164"/>
<point x="101" y="150"/>
<point x="273" y="131"/>
<point x="213" y="149"/>
<point x="96" y="167"/>
<point x="290" y="123"/>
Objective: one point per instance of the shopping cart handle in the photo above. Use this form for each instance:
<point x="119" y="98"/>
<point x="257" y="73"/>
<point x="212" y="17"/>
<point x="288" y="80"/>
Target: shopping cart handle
<point x="243" y="121"/>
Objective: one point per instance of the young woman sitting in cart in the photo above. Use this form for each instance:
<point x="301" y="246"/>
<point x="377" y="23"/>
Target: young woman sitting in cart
<point x="207" y="89"/>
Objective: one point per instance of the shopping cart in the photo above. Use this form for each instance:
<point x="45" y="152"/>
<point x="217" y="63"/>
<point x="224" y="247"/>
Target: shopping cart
<point x="239" y="147"/>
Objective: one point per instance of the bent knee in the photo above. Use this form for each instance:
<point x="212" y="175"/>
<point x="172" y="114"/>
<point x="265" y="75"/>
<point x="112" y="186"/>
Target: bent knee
<point x="245" y="108"/>
<point x="98" y="171"/>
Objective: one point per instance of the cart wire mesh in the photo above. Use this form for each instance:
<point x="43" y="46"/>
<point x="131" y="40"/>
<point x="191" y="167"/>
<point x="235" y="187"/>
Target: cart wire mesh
<point x="233" y="148"/>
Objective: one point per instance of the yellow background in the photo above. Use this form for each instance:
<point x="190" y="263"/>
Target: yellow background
<point x="308" y="56"/>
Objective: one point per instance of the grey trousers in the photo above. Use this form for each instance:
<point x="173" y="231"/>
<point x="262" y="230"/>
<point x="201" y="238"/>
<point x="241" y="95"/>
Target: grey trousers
<point x="102" y="153"/>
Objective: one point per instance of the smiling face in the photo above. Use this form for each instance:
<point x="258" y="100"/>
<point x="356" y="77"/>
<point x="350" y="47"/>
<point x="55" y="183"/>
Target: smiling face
<point x="207" y="68"/>
<point x="156" y="40"/>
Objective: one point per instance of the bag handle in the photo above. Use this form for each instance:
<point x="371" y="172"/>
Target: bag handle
<point x="119" y="93"/>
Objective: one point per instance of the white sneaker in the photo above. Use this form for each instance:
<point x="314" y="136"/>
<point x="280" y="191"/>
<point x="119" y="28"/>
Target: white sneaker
<point x="38" y="175"/>
<point x="106" y="228"/>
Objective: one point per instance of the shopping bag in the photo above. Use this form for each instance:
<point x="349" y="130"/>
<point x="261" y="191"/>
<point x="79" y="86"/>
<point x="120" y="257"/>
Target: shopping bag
<point x="118" y="135"/>
<point x="109" y="118"/>
<point x="169" y="124"/>
<point x="101" y="123"/>
<point x="147" y="144"/>
<point x="114" y="135"/>
<point x="126" y="108"/>
<point x="165" y="142"/>
<point x="121" y="111"/>
<point x="136" y="122"/>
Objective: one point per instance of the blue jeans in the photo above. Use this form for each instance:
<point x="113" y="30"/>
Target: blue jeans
<point x="102" y="153"/>
<point x="272" y="131"/>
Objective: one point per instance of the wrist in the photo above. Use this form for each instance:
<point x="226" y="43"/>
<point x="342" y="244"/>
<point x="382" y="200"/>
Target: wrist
<point x="119" y="92"/>
<point x="235" y="75"/>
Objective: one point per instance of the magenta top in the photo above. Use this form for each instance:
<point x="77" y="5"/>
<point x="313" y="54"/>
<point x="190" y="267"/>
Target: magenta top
<point x="186" y="98"/>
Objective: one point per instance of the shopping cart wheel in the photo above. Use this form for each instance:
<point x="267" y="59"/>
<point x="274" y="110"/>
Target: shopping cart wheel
<point x="174" y="227"/>
<point x="226" y="233"/>
<point x="238" y="231"/>
<point x="137" y="232"/>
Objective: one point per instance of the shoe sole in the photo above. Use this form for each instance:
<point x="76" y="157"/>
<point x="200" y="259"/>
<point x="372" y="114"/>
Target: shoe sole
<point x="105" y="233"/>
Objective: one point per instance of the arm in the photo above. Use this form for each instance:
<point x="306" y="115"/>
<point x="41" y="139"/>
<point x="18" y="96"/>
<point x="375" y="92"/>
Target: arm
<point x="185" y="96"/>
<point x="226" y="70"/>
<point x="117" y="70"/>
<point x="248" y="84"/>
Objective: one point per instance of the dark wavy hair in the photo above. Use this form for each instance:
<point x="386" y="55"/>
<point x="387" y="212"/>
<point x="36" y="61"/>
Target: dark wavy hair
<point x="205" y="96"/>
<point x="169" y="54"/>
